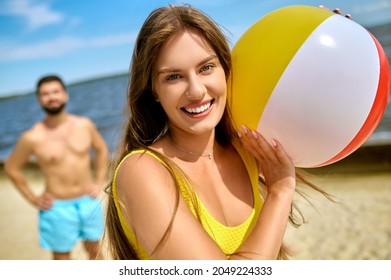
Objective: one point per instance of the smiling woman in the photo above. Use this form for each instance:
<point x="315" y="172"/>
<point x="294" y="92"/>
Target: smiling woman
<point x="183" y="177"/>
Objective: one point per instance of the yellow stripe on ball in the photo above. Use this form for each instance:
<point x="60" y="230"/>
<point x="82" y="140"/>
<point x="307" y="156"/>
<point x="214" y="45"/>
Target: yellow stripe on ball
<point x="261" y="55"/>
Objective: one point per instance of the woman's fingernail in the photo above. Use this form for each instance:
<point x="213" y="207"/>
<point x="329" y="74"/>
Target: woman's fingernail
<point x="244" y="129"/>
<point x="254" y="134"/>
<point x="239" y="133"/>
<point x="274" y="143"/>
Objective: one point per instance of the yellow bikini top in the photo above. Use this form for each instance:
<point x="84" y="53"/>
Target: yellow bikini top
<point x="228" y="239"/>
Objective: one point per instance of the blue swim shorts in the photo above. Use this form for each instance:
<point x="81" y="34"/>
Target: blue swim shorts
<point x="67" y="221"/>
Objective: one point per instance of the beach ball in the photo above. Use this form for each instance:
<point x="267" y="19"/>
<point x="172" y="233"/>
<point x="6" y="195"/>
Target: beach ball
<point x="311" y="79"/>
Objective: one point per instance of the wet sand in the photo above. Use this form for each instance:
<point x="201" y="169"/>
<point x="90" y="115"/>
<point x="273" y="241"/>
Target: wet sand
<point x="357" y="227"/>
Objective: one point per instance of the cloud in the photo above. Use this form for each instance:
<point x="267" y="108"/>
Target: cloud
<point x="60" y="46"/>
<point x="36" y="14"/>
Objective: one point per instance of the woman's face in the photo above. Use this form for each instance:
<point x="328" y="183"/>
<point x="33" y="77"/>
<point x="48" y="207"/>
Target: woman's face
<point x="190" y="83"/>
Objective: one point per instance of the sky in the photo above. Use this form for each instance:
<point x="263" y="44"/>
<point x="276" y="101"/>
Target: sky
<point x="80" y="40"/>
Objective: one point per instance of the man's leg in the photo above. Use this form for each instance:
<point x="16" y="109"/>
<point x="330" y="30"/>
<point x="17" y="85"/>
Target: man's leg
<point x="58" y="231"/>
<point x="93" y="249"/>
<point x="92" y="226"/>
<point x="61" y="256"/>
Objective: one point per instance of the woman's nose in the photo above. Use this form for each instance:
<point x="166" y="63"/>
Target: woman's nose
<point x="196" y="88"/>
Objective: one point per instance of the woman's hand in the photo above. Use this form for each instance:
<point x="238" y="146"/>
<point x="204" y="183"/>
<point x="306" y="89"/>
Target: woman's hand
<point x="273" y="162"/>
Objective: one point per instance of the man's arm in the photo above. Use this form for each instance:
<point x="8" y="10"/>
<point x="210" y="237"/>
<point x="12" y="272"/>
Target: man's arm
<point x="101" y="156"/>
<point x="13" y="167"/>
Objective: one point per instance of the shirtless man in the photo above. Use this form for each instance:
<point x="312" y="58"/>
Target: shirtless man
<point x="69" y="208"/>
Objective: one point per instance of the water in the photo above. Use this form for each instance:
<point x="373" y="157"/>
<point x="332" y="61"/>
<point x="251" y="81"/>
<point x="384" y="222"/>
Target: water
<point x="103" y="100"/>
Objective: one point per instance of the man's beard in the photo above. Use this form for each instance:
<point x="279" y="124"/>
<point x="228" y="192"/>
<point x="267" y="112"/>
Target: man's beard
<point x="54" y="111"/>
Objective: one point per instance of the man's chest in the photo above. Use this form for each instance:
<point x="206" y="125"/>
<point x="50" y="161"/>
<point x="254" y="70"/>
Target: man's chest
<point x="58" y="144"/>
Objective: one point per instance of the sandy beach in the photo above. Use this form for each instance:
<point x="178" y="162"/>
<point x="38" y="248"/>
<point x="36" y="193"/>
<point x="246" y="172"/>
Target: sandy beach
<point x="356" y="227"/>
<point x="19" y="222"/>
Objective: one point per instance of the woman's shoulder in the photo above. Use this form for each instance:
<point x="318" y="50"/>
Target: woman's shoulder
<point x="140" y="159"/>
<point x="142" y="183"/>
<point x="139" y="166"/>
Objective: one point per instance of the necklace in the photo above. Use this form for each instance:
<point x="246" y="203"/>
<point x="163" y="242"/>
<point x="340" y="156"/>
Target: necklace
<point x="194" y="154"/>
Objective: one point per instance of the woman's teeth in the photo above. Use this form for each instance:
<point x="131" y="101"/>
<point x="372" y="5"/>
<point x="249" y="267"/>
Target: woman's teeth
<point x="198" y="110"/>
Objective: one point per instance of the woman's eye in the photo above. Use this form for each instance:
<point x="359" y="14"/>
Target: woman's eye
<point x="173" y="77"/>
<point x="206" y="67"/>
